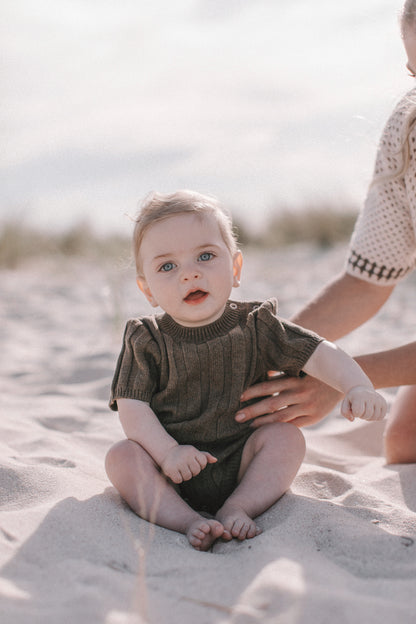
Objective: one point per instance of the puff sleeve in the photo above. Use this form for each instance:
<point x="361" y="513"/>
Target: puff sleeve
<point x="136" y="375"/>
<point x="285" y="347"/>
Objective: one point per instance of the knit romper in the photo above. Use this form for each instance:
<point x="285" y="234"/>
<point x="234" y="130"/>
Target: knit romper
<point x="193" y="378"/>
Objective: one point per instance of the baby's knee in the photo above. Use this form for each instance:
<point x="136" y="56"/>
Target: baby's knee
<point x="114" y="454"/>
<point x="118" y="454"/>
<point x="294" y="438"/>
<point x="283" y="434"/>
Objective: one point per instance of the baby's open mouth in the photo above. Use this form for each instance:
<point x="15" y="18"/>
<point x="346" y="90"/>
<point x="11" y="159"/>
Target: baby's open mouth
<point x="196" y="296"/>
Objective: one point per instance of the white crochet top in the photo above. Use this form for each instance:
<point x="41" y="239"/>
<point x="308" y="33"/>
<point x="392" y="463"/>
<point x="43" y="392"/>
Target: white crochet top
<point x="383" y="245"/>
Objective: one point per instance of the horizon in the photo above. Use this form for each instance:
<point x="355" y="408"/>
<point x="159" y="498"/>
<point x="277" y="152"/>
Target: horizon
<point x="263" y="104"/>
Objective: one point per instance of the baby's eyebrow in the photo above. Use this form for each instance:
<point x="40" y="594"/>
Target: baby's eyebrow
<point x="170" y="254"/>
<point x="164" y="255"/>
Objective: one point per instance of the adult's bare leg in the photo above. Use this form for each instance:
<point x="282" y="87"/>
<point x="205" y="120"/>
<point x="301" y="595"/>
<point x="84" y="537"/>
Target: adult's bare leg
<point x="400" y="433"/>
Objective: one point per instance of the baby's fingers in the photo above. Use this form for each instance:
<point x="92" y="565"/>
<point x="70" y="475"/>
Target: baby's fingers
<point x="346" y="409"/>
<point x="380" y="409"/>
<point x="210" y="458"/>
<point x="205" y="458"/>
<point x="354" y="408"/>
<point x="367" y="406"/>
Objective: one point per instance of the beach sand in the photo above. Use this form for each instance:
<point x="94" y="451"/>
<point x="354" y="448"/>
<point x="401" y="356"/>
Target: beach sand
<point x="340" y="546"/>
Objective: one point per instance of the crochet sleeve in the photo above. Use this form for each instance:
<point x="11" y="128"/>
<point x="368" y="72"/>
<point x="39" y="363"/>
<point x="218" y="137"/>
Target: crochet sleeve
<point x="136" y="373"/>
<point x="285" y="347"/>
<point x="383" y="247"/>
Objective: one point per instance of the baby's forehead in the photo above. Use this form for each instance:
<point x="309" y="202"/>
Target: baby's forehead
<point x="179" y="235"/>
<point x="198" y="223"/>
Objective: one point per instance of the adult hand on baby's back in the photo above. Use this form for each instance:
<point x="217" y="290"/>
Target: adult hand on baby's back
<point x="184" y="461"/>
<point x="301" y="401"/>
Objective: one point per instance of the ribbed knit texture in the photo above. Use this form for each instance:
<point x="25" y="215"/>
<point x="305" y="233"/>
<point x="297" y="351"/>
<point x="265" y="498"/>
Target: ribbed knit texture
<point x="383" y="246"/>
<point x="193" y="377"/>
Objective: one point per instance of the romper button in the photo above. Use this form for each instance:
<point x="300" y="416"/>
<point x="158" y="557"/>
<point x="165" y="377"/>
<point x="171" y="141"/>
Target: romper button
<point x="233" y="306"/>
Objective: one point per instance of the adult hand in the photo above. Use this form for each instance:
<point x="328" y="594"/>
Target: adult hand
<point x="302" y="401"/>
<point x="184" y="461"/>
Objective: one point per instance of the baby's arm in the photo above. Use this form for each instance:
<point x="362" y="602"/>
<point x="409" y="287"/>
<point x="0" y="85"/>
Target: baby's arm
<point x="337" y="369"/>
<point x="179" y="462"/>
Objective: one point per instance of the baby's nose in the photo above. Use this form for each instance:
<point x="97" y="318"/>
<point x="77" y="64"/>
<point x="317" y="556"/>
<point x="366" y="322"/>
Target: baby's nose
<point x="190" y="274"/>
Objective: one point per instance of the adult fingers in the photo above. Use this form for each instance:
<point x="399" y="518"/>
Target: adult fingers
<point x="294" y="414"/>
<point x="270" y="387"/>
<point x="286" y="414"/>
<point x="268" y="406"/>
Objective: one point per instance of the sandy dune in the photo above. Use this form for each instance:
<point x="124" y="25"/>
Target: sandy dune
<point x="339" y="547"/>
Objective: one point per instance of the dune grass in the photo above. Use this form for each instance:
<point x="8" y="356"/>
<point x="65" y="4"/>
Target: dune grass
<point x="322" y="226"/>
<point x="20" y="243"/>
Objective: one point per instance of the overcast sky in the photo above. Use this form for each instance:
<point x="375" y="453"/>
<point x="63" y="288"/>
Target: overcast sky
<point x="260" y="102"/>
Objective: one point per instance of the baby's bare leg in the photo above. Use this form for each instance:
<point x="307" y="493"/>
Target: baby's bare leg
<point x="137" y="477"/>
<point x="271" y="458"/>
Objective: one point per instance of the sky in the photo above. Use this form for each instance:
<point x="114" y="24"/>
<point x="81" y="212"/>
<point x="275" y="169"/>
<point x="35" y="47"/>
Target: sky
<point x="263" y="103"/>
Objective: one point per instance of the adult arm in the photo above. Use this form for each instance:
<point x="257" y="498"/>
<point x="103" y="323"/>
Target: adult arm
<point x="140" y="424"/>
<point x="341" y="306"/>
<point x="358" y="301"/>
<point x="394" y="367"/>
<point x="333" y="366"/>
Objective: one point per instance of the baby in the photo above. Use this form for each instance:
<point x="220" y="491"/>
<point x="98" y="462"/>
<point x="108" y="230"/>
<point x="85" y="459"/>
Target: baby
<point x="187" y="464"/>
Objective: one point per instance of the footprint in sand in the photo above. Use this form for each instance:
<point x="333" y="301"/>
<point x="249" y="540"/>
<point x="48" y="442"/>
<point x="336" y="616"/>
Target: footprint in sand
<point x="65" y="424"/>
<point x="24" y="486"/>
<point x="362" y="548"/>
<point x="59" y="462"/>
<point x="325" y="485"/>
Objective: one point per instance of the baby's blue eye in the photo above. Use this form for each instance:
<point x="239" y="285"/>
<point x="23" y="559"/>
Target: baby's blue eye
<point x="168" y="266"/>
<point x="207" y="255"/>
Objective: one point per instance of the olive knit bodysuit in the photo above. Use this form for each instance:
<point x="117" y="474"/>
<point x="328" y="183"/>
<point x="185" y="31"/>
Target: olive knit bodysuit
<point x="193" y="378"/>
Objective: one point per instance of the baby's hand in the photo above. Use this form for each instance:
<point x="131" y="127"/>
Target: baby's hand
<point x="184" y="461"/>
<point x="365" y="403"/>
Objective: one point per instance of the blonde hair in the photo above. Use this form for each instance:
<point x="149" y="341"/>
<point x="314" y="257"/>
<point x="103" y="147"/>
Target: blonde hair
<point x="408" y="14"/>
<point x="157" y="207"/>
<point x="407" y="20"/>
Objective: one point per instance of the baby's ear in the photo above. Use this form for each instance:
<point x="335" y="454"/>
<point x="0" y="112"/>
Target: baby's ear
<point x="142" y="284"/>
<point x="237" y="266"/>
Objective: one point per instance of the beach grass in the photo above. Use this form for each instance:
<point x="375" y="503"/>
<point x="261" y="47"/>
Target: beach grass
<point x="322" y="226"/>
<point x="20" y="243"/>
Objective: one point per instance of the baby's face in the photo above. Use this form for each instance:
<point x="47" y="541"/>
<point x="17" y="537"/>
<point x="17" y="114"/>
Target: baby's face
<point x="188" y="269"/>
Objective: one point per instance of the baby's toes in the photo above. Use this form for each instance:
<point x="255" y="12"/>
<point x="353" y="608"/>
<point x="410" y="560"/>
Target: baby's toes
<point x="253" y="530"/>
<point x="203" y="533"/>
<point x="248" y="530"/>
<point x="240" y="528"/>
<point x="196" y="538"/>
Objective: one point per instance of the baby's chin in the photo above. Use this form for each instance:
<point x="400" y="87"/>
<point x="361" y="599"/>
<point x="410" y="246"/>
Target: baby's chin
<point x="198" y="318"/>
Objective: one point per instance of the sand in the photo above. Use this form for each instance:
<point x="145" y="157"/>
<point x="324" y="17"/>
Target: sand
<point x="340" y="546"/>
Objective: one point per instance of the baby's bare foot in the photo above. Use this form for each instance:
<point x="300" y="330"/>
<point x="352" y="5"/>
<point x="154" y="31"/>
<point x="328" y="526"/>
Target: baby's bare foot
<point x="202" y="533"/>
<point x="236" y="523"/>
